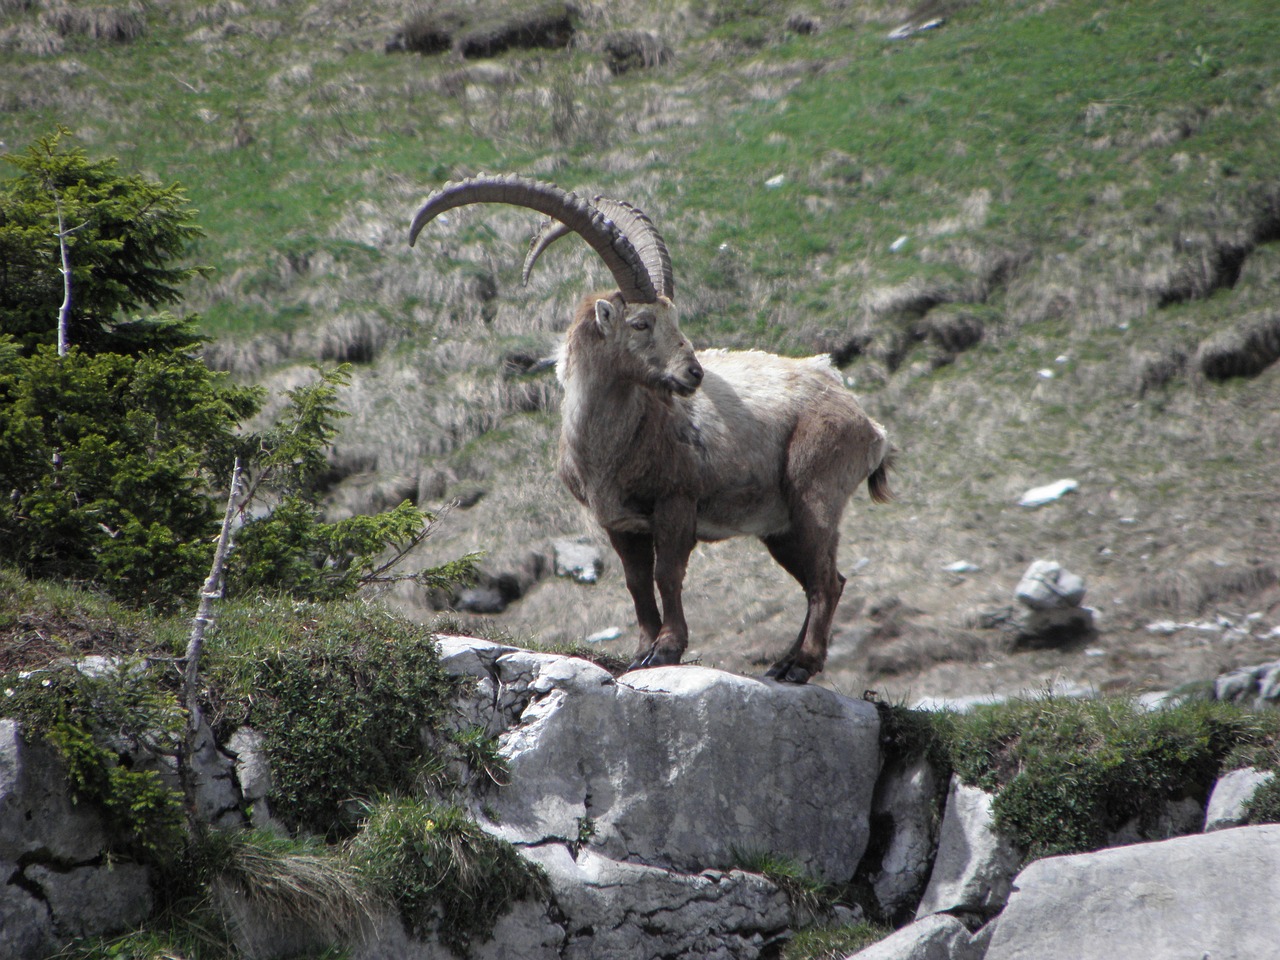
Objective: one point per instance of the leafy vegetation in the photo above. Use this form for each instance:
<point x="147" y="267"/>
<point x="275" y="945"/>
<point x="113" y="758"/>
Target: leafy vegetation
<point x="1068" y="773"/>
<point x="112" y="440"/>
<point x="352" y="703"/>
<point x="347" y="697"/>
<point x="94" y="721"/>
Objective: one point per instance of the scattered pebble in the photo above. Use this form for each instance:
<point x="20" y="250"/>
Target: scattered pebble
<point x="1039" y="496"/>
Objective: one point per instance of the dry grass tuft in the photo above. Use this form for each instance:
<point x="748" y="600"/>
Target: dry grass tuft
<point x="1195" y="590"/>
<point x="1154" y="370"/>
<point x="112" y="24"/>
<point x="1245" y="350"/>
<point x="914" y="654"/>
<point x="29" y="38"/>
<point x="295" y="885"/>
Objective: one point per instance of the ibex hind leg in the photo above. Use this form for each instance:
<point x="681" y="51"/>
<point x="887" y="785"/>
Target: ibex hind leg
<point x="813" y="566"/>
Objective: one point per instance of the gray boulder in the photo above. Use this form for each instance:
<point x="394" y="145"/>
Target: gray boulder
<point x="1207" y="895"/>
<point x="37" y="814"/>
<point x="1230" y="795"/>
<point x="217" y="792"/>
<point x="906" y="815"/>
<point x="26" y="929"/>
<point x="615" y="909"/>
<point x="975" y="865"/>
<point x="55" y="884"/>
<point x="1047" y="586"/>
<point x="1259" y="684"/>
<point x="684" y="768"/>
<point x="253" y="772"/>
<point x="526" y="931"/>
<point x="1053" y="614"/>
<point x="938" y="937"/>
<point x="90" y="900"/>
<point x="579" y="560"/>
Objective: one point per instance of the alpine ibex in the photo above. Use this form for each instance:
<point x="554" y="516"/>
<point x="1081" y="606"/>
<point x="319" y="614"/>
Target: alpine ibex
<point x="667" y="446"/>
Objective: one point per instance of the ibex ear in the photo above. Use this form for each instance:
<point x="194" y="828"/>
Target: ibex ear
<point x="606" y="314"/>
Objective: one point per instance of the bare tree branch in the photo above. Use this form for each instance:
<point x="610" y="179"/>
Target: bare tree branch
<point x="205" y="614"/>
<point x="64" y="311"/>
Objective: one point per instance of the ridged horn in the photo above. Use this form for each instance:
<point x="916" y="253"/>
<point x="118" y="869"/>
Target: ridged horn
<point x="634" y="223"/>
<point x="605" y="236"/>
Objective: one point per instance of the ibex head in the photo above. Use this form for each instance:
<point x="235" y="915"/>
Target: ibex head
<point x="639" y="324"/>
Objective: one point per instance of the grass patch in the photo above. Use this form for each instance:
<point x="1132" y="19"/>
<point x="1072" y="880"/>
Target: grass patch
<point x="809" y="898"/>
<point x="833" y="943"/>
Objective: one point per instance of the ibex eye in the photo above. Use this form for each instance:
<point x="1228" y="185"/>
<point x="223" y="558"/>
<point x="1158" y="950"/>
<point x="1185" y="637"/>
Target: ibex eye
<point x="640" y="324"/>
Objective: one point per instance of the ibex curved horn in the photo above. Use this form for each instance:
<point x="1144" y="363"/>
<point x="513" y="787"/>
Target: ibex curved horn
<point x="606" y="236"/>
<point x="634" y="223"/>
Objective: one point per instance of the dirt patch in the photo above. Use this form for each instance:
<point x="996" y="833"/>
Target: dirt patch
<point x="36" y="640"/>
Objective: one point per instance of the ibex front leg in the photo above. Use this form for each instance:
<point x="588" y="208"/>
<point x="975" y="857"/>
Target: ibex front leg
<point x="672" y="539"/>
<point x="635" y="550"/>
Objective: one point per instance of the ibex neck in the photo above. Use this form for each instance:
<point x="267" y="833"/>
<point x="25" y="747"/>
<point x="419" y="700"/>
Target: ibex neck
<point x="599" y="408"/>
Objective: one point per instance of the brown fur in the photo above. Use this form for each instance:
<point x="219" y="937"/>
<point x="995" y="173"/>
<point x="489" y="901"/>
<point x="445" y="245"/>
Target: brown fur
<point x="666" y="448"/>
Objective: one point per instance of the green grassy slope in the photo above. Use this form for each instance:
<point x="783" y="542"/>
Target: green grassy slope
<point x="1092" y="188"/>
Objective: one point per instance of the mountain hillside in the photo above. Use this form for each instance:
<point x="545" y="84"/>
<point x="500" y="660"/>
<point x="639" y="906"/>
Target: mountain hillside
<point x="1041" y="239"/>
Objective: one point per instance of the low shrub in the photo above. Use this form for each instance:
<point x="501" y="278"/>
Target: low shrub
<point x="347" y="695"/>
<point x="1068" y="773"/>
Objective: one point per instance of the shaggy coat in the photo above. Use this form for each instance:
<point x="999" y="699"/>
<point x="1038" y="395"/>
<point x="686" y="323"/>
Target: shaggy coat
<point x="746" y="444"/>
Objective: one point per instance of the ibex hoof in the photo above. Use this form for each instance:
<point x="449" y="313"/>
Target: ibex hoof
<point x="788" y="671"/>
<point x="655" y="657"/>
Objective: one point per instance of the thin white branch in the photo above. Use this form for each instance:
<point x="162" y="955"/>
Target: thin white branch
<point x="64" y="312"/>
<point x="205" y="614"/>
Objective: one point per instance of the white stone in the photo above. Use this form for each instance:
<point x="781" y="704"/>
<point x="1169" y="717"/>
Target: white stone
<point x="1230" y="795"/>
<point x="1207" y="895"/>
<point x="684" y="767"/>
<point x="253" y="768"/>
<point x="1039" y="496"/>
<point x="975" y="865"/>
<point x="1047" y="586"/>
<point x="615" y="909"/>
<point x="907" y="798"/>
<point x="579" y="560"/>
<point x="937" y="937"/>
